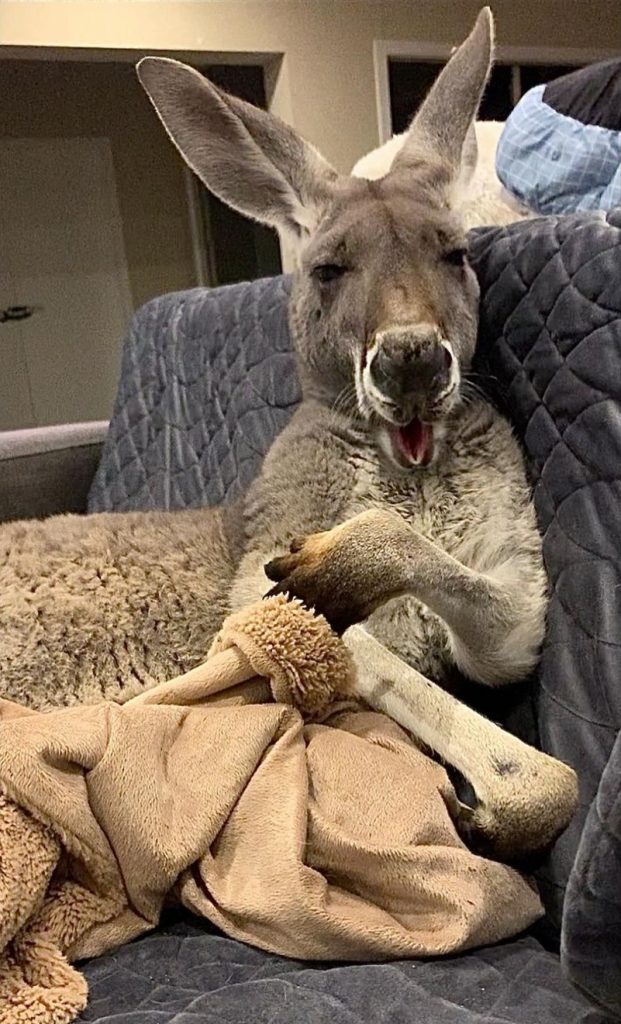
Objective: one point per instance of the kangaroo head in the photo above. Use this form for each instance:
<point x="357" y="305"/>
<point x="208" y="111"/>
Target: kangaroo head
<point x="384" y="303"/>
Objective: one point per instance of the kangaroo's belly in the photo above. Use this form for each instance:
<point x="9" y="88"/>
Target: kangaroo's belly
<point x="405" y="625"/>
<point x="315" y="480"/>
<point x="454" y="510"/>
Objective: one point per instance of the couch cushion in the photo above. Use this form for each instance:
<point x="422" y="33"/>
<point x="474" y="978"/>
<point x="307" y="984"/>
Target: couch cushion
<point x="189" y="974"/>
<point x="551" y="341"/>
<point x="47" y="470"/>
<point x="591" y="946"/>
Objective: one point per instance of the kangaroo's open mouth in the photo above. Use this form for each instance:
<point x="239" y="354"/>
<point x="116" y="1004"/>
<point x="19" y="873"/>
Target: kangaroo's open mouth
<point x="414" y="442"/>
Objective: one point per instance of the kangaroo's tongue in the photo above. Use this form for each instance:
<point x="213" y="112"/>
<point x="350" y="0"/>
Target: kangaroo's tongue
<point x="415" y="441"/>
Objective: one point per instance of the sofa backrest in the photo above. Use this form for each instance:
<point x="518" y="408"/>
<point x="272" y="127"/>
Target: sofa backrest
<point x="208" y="380"/>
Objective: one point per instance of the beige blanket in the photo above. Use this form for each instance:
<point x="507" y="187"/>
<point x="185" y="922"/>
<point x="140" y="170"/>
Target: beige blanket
<point x="253" y="791"/>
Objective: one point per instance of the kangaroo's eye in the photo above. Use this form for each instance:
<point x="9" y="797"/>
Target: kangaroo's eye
<point x="326" y="272"/>
<point x="455" y="257"/>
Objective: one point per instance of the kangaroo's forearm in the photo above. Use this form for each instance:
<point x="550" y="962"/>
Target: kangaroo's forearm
<point x="472" y="604"/>
<point x="494" y="624"/>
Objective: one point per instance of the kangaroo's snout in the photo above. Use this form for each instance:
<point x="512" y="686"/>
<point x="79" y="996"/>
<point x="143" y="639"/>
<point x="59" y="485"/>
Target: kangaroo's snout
<point x="411" y="367"/>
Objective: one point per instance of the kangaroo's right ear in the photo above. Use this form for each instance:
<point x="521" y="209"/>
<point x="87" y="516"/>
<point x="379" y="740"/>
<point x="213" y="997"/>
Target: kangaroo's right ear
<point x="442" y="133"/>
<point x="249" y="158"/>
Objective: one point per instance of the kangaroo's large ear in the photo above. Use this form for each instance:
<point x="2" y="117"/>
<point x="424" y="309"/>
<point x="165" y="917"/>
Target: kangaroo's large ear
<point x="249" y="158"/>
<point x="442" y="134"/>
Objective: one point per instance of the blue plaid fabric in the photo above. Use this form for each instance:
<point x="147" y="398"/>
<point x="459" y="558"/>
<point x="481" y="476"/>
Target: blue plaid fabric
<point x="556" y="164"/>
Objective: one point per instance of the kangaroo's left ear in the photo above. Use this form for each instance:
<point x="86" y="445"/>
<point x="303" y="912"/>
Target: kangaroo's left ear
<point x="248" y="157"/>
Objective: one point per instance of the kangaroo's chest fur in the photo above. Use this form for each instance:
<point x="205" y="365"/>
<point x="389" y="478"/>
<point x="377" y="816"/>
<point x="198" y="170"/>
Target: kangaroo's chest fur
<point x="474" y="503"/>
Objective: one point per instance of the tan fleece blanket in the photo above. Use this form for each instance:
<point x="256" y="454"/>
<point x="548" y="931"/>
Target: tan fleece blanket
<point x="254" y="792"/>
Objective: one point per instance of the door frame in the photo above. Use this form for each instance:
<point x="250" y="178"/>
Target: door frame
<point x="276" y="87"/>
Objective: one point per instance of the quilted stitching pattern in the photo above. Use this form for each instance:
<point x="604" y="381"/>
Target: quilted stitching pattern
<point x="551" y="337"/>
<point x="188" y="975"/>
<point x="591" y="938"/>
<point x="207" y="381"/>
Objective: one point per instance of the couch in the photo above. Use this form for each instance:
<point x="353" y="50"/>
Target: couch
<point x="208" y="379"/>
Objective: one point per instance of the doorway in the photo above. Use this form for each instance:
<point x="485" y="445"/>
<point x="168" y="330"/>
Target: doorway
<point x="95" y="221"/>
<point x="64" y="284"/>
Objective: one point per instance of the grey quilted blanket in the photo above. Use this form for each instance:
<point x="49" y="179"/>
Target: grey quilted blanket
<point x="208" y="380"/>
<point x="186" y="975"/>
<point x="551" y="338"/>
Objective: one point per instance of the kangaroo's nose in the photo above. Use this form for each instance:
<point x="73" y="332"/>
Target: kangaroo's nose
<point x="411" y="366"/>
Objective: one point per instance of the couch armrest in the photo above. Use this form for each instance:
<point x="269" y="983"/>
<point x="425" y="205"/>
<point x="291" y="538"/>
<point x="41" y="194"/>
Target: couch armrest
<point x="48" y="469"/>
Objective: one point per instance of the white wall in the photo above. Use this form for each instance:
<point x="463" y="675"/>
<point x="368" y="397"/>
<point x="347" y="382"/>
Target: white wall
<point x="326" y="85"/>
<point x="320" y="59"/>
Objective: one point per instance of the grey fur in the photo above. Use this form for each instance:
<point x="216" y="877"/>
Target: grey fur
<point x="93" y="607"/>
<point x="101" y="607"/>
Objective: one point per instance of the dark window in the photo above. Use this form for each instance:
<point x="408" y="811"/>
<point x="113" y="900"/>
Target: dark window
<point x="410" y="80"/>
<point x="497" y="102"/>
<point x="540" y="74"/>
<point x="239" y="249"/>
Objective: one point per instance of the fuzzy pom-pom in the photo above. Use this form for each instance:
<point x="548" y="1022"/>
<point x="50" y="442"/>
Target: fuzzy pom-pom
<point x="307" y="664"/>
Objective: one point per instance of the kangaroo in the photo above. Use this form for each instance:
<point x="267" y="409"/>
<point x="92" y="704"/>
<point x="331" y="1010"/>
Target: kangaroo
<point x="395" y="501"/>
<point x="434" y="543"/>
<point x="409" y="489"/>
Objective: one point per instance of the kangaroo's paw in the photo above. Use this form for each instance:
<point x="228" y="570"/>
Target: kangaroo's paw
<point x="337" y="572"/>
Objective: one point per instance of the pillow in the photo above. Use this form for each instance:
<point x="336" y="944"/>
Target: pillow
<point x="560" y="151"/>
